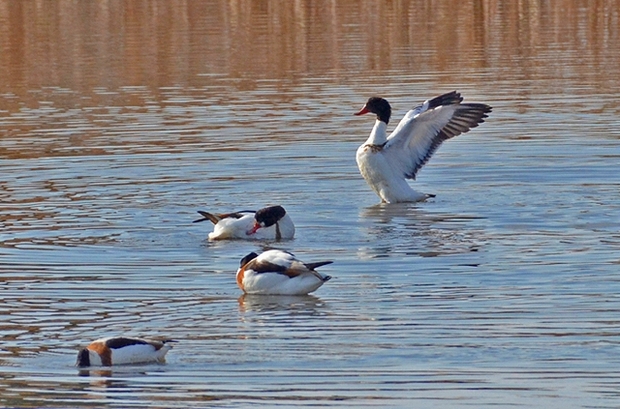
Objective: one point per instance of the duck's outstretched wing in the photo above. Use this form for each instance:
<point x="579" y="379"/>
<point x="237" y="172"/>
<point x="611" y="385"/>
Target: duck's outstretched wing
<point x="424" y="128"/>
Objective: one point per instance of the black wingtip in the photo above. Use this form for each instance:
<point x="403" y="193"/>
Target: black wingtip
<point x="449" y="98"/>
<point x="206" y="216"/>
<point x="318" y="264"/>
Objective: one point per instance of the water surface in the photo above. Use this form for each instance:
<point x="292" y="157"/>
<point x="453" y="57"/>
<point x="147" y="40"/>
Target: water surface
<point x="118" y="120"/>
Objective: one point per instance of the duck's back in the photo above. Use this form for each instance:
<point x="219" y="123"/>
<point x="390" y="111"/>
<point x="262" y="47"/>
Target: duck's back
<point x="232" y="228"/>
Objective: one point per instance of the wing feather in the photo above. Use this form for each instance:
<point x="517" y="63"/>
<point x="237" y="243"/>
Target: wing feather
<point x="298" y="268"/>
<point x="318" y="264"/>
<point x="216" y="217"/>
<point x="282" y="262"/>
<point x="426" y="127"/>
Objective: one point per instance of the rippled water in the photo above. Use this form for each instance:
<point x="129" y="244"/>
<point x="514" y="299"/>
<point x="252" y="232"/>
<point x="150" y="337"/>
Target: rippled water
<point x="500" y="292"/>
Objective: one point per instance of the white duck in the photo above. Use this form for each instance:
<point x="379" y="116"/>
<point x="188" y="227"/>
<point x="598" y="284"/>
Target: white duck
<point x="387" y="161"/>
<point x="268" y="223"/>
<point x="277" y="272"/>
<point x="122" y="350"/>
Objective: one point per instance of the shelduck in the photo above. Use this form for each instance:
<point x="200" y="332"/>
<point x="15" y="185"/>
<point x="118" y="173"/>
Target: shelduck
<point x="122" y="350"/>
<point x="387" y="161"/>
<point x="277" y="272"/>
<point x="268" y="223"/>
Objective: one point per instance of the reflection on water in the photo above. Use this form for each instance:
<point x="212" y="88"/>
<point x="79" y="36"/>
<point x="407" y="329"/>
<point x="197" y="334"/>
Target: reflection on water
<point x="291" y="305"/>
<point x="414" y="230"/>
<point x="118" y="120"/>
<point x="103" y="54"/>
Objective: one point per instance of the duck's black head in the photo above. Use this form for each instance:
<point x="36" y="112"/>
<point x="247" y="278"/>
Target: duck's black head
<point x="378" y="106"/>
<point x="83" y="359"/>
<point x="269" y="216"/>
<point x="245" y="260"/>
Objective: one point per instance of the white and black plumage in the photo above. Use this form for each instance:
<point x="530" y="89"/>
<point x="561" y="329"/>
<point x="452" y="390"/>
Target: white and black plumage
<point x="122" y="350"/>
<point x="277" y="272"/>
<point x="387" y="161"/>
<point x="268" y="223"/>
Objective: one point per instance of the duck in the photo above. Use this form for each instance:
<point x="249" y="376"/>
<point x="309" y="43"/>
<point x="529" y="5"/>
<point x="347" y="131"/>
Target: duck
<point x="268" y="223"/>
<point x="122" y="350"/>
<point x="278" y="272"/>
<point x="387" y="161"/>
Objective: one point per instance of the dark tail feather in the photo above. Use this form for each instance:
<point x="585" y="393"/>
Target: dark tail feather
<point x="166" y="341"/>
<point x="207" y="216"/>
<point x="327" y="278"/>
<point x="318" y="264"/>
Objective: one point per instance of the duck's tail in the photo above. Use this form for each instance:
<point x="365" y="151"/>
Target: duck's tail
<point x="207" y="216"/>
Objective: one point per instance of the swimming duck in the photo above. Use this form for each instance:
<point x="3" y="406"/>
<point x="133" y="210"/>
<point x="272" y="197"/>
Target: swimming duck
<point x="268" y="223"/>
<point x="387" y="161"/>
<point x="122" y="350"/>
<point x="277" y="272"/>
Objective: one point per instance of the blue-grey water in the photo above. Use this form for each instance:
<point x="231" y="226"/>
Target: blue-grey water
<point x="118" y="121"/>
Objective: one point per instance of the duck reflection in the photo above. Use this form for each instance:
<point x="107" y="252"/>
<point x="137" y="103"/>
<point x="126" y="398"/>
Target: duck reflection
<point x="408" y="229"/>
<point x="115" y="383"/>
<point x="293" y="304"/>
<point x="105" y="376"/>
<point x="103" y="373"/>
